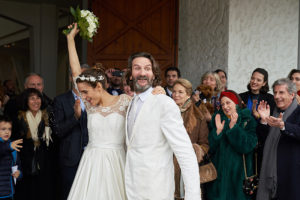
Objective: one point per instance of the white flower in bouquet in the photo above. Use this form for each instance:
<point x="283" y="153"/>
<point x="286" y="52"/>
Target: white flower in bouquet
<point x="87" y="23"/>
<point x="83" y="13"/>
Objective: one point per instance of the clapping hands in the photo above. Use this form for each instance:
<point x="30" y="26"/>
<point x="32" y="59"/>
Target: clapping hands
<point x="276" y="122"/>
<point x="219" y="124"/>
<point x="254" y="111"/>
<point x="263" y="111"/>
<point x="233" y="120"/>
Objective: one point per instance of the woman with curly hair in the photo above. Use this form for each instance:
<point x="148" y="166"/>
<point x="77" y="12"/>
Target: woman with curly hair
<point x="36" y="156"/>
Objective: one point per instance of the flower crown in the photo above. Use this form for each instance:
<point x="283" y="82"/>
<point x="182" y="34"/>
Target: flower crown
<point x="90" y="78"/>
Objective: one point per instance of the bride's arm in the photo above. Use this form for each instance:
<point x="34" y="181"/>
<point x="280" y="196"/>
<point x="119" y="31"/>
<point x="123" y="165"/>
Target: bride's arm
<point x="73" y="57"/>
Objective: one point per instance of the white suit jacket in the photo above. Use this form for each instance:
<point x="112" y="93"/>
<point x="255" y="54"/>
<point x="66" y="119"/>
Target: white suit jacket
<point x="158" y="132"/>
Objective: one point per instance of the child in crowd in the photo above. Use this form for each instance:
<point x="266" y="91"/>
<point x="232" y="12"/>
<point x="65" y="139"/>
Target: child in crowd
<point x="9" y="160"/>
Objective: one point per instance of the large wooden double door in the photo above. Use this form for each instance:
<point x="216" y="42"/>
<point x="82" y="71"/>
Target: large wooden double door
<point x="128" y="26"/>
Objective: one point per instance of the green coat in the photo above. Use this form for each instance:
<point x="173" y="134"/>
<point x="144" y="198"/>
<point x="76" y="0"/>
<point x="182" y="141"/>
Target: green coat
<point x="226" y="150"/>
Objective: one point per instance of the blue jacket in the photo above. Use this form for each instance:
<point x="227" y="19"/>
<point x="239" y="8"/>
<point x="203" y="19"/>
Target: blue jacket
<point x="8" y="158"/>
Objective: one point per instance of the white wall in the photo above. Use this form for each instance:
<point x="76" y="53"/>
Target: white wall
<point x="262" y="33"/>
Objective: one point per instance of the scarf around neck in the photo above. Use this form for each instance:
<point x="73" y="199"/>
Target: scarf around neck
<point x="186" y="105"/>
<point x="33" y="124"/>
<point x="268" y="176"/>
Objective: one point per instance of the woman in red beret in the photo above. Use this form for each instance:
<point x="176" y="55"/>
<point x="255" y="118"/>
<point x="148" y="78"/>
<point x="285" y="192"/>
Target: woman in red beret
<point x="232" y="135"/>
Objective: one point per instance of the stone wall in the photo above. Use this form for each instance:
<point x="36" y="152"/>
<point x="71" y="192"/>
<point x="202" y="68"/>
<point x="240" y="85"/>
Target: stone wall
<point x="203" y="37"/>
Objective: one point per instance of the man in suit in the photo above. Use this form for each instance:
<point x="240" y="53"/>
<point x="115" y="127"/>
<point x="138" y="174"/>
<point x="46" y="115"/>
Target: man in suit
<point x="171" y="75"/>
<point x="154" y="131"/>
<point x="280" y="170"/>
<point x="70" y="125"/>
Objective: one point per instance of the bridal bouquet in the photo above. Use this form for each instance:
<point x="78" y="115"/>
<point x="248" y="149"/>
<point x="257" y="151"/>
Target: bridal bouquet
<point x="87" y="23"/>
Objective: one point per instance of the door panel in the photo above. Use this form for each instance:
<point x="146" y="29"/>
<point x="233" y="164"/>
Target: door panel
<point x="128" y="26"/>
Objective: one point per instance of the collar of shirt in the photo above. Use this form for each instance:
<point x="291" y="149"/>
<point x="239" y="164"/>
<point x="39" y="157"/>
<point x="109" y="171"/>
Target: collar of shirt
<point x="144" y="95"/>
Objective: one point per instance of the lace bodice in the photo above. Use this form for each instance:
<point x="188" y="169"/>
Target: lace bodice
<point x="119" y="107"/>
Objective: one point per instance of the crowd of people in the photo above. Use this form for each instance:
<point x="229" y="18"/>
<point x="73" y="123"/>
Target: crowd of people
<point x="117" y="134"/>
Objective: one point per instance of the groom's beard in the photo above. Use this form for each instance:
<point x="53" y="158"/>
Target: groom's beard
<point x="138" y="88"/>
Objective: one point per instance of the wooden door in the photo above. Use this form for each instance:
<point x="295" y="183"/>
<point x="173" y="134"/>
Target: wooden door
<point x="128" y="26"/>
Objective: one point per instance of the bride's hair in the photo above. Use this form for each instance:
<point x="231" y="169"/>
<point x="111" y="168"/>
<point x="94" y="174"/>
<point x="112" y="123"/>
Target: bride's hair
<point x="93" y="76"/>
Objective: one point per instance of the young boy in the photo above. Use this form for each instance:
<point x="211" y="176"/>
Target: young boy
<point x="9" y="161"/>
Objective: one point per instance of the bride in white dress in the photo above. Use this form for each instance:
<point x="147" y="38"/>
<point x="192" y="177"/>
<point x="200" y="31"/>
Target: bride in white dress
<point x="100" y="175"/>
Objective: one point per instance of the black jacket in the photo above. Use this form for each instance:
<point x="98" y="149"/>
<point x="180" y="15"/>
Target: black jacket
<point x="288" y="157"/>
<point x="263" y="96"/>
<point x="72" y="133"/>
<point x="6" y="162"/>
<point x="167" y="92"/>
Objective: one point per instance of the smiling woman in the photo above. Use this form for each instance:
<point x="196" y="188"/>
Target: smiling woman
<point x="36" y="155"/>
<point x="196" y="127"/>
<point x="258" y="88"/>
<point x="231" y="136"/>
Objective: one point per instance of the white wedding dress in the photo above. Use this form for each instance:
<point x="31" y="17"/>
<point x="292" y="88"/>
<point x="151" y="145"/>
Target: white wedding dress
<point x="100" y="175"/>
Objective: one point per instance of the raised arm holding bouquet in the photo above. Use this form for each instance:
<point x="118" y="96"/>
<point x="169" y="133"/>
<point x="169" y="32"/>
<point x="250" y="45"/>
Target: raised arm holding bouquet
<point x="87" y="23"/>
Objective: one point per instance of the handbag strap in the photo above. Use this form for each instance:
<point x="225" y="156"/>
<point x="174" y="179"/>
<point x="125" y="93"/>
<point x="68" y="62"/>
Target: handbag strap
<point x="245" y="169"/>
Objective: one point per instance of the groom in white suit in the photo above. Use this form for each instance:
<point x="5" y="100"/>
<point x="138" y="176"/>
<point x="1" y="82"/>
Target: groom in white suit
<point x="154" y="131"/>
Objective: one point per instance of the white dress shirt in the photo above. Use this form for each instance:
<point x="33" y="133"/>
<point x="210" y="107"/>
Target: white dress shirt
<point x="138" y="101"/>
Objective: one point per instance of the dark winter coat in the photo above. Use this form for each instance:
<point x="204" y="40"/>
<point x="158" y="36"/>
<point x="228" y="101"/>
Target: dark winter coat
<point x="38" y="184"/>
<point x="8" y="158"/>
<point x="288" y="157"/>
<point x="227" y="151"/>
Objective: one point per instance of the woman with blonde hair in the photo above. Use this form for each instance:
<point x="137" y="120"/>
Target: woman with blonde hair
<point x="207" y="94"/>
<point x="195" y="124"/>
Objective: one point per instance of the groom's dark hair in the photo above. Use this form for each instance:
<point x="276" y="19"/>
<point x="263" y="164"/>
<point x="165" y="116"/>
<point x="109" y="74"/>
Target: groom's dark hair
<point x="155" y="68"/>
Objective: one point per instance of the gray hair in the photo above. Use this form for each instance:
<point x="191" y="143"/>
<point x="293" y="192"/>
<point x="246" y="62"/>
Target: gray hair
<point x="84" y="66"/>
<point x="217" y="78"/>
<point x="32" y="74"/>
<point x="291" y="87"/>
